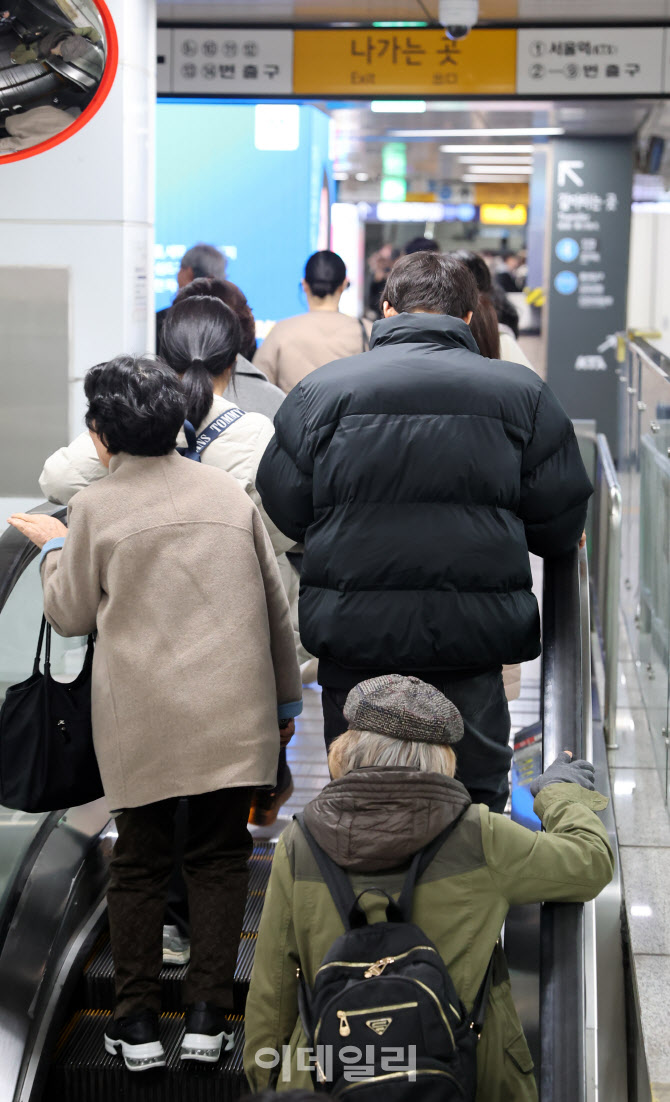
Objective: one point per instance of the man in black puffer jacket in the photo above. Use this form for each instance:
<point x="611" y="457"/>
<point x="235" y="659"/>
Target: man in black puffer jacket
<point x="419" y="475"/>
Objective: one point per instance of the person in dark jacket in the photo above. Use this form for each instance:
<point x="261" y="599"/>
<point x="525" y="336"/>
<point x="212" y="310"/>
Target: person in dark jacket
<point x="419" y="475"/>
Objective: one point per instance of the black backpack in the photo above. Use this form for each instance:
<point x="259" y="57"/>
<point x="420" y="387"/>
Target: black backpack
<point x="195" y="445"/>
<point x="382" y="991"/>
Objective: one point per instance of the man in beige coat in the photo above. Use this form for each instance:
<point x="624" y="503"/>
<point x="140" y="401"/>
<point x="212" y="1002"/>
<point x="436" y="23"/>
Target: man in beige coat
<point x="194" y="670"/>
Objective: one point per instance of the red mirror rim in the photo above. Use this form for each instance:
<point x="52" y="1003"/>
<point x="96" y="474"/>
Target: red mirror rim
<point x="102" y="91"/>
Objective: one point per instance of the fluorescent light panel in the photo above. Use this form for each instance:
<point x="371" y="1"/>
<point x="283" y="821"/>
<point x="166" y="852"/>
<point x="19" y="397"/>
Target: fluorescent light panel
<point x="502" y="170"/>
<point x="481" y="179"/>
<point x="397" y="107"/>
<point x="476" y="159"/>
<point x="510" y="132"/>
<point x="471" y="148"/>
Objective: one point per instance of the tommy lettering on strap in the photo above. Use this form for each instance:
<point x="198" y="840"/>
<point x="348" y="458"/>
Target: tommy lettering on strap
<point x="195" y="445"/>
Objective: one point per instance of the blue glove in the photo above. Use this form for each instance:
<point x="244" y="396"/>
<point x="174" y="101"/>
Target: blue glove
<point x="566" y="771"/>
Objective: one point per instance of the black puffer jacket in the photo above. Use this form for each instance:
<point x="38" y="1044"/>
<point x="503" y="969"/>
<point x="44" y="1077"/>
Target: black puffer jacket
<point x="419" y="475"/>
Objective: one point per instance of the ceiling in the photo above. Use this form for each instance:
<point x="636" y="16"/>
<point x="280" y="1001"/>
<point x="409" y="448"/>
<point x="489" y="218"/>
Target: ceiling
<point x="367" y="11"/>
<point x="360" y="135"/>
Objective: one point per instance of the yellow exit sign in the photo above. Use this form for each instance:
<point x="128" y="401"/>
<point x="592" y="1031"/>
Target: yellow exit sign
<point x="403" y="62"/>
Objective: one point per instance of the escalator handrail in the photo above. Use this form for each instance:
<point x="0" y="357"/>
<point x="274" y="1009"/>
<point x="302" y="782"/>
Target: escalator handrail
<point x="565" y="678"/>
<point x="16" y="550"/>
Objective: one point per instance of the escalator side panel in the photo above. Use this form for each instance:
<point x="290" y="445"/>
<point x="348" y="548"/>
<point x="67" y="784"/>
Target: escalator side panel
<point x="67" y="880"/>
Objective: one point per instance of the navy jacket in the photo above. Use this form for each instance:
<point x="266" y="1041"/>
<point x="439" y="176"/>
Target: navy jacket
<point x="419" y="475"/>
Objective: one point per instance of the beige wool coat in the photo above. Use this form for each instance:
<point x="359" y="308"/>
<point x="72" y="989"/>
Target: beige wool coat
<point x="170" y="560"/>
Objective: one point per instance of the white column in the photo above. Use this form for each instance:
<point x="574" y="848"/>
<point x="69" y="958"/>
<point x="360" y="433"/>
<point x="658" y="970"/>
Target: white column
<point x="88" y="206"/>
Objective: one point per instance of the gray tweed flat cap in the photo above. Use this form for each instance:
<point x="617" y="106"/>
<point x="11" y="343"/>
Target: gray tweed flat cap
<point x="403" y="707"/>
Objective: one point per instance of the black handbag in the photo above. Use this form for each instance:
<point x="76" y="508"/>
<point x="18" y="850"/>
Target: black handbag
<point x="47" y="760"/>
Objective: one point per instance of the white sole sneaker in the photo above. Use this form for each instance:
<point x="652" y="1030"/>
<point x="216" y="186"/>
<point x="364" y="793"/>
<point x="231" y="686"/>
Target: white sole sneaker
<point x="174" y="958"/>
<point x="206" y="1046"/>
<point x="137" y="1057"/>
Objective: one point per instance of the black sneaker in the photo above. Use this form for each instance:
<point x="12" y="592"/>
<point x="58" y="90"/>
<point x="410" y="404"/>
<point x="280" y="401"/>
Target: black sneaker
<point x="205" y="1034"/>
<point x="136" y="1039"/>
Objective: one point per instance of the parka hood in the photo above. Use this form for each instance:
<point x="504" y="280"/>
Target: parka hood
<point x="376" y="819"/>
<point x="439" y="329"/>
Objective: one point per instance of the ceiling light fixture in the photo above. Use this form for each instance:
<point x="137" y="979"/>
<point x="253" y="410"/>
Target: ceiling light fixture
<point x="502" y="170"/>
<point x="398" y="107"/>
<point x="476" y="159"/>
<point x="475" y="178"/>
<point x="362" y="177"/>
<point x="509" y="132"/>
<point x="472" y="148"/>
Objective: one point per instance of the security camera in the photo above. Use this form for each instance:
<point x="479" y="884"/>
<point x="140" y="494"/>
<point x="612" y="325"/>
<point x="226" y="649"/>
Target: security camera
<point x="458" y="17"/>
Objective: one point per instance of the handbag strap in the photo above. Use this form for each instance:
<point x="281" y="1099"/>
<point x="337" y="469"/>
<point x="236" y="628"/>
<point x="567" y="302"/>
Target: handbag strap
<point x="45" y="631"/>
<point x="366" y="343"/>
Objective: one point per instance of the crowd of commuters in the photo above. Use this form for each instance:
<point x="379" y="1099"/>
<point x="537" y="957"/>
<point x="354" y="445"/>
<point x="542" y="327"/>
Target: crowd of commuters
<point x="408" y="474"/>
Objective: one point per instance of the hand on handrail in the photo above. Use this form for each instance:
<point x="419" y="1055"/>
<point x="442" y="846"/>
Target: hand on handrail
<point x="38" y="527"/>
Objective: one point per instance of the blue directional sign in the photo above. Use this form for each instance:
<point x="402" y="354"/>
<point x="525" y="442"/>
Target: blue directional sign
<point x="566" y="283"/>
<point x="567" y="250"/>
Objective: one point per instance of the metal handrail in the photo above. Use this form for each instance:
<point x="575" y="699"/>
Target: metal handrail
<point x="607" y="553"/>
<point x="565" y="724"/>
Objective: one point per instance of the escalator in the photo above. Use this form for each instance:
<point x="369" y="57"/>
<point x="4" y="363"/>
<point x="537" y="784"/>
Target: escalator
<point x="56" y="974"/>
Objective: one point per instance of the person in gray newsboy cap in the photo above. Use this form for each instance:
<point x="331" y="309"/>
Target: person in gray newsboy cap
<point x="404" y="708"/>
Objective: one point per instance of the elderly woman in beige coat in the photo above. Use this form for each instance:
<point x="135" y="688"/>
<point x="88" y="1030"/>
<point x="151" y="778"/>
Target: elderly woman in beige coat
<point x="194" y="671"/>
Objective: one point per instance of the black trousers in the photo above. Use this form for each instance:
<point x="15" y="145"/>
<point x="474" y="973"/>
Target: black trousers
<point x="216" y="853"/>
<point x="176" y="910"/>
<point x="483" y="755"/>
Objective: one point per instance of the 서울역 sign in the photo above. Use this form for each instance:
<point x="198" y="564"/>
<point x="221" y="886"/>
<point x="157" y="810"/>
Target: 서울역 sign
<point x="221" y="61"/>
<point x="403" y="61"/>
<point x="590" y="60"/>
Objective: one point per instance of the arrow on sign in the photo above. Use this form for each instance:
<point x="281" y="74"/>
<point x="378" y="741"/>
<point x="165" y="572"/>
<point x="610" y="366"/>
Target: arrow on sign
<point x="566" y="171"/>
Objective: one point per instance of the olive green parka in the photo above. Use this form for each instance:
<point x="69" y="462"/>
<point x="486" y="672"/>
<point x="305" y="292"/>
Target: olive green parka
<point x="370" y="822"/>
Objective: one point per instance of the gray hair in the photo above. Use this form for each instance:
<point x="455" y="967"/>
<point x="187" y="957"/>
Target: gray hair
<point x="205" y="260"/>
<point x="369" y="750"/>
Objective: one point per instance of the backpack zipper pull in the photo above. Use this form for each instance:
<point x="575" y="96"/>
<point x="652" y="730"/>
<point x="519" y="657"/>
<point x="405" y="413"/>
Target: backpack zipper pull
<point x="376" y="969"/>
<point x="345" y="1028"/>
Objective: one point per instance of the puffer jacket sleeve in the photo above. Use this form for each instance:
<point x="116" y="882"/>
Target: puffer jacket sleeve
<point x="284" y="478"/>
<point x="71" y="578"/>
<point x="282" y="641"/>
<point x="555" y="487"/>
<point x="70" y="469"/>
<point x="272" y="1004"/>
<point x="571" y="862"/>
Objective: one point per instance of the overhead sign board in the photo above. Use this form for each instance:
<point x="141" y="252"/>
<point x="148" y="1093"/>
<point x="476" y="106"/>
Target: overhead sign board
<point x="500" y="214"/>
<point x="394" y="61"/>
<point x="611" y="61"/>
<point x="222" y="61"/>
<point x="399" y="62"/>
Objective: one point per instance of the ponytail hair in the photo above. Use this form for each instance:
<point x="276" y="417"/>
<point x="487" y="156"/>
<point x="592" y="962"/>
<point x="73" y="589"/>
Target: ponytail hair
<point x="324" y="273"/>
<point x="200" y="339"/>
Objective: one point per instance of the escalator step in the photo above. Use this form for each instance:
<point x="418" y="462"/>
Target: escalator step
<point x="83" y="1072"/>
<point x="98" y="991"/>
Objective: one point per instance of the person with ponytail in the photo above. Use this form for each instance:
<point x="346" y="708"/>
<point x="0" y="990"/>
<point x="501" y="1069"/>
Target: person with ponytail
<point x="296" y="346"/>
<point x="250" y="389"/>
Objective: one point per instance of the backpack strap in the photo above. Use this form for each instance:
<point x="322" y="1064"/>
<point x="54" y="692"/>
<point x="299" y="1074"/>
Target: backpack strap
<point x="335" y="878"/>
<point x="195" y="445"/>
<point x="217" y="427"/>
<point x="420" y="863"/>
<point x="339" y="885"/>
